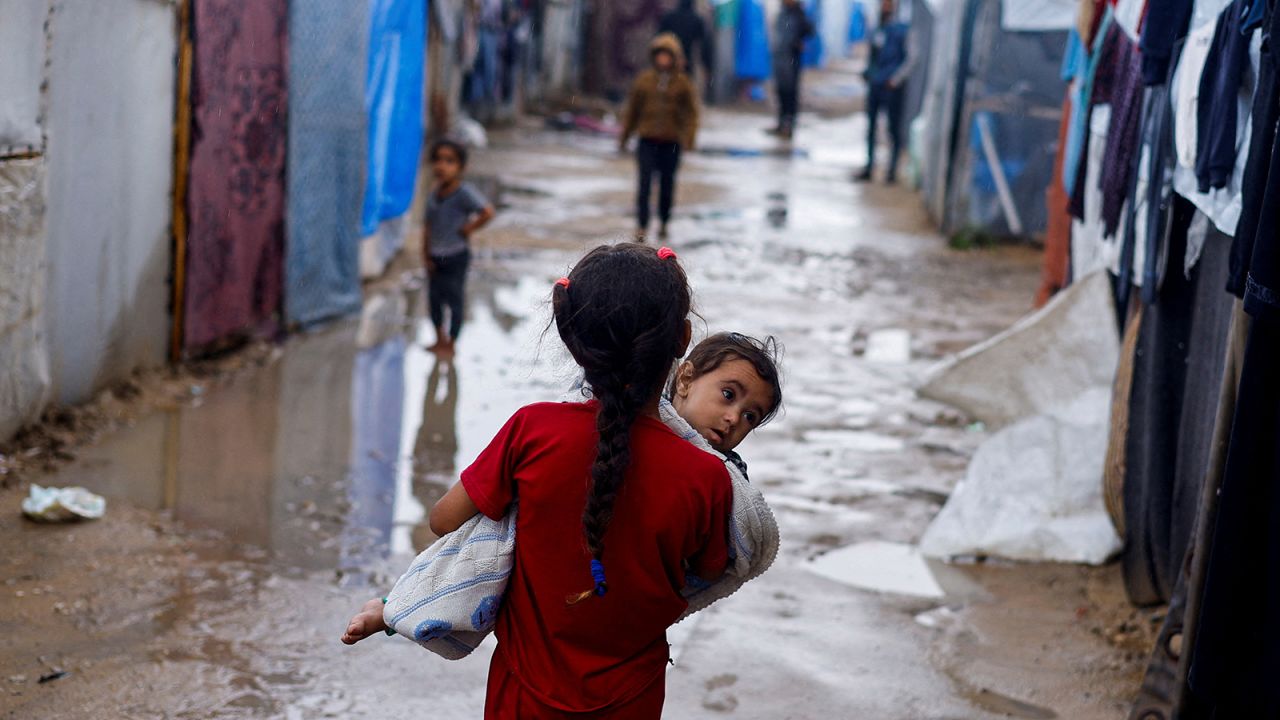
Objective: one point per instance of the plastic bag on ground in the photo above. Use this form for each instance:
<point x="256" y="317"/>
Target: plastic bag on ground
<point x="62" y="504"/>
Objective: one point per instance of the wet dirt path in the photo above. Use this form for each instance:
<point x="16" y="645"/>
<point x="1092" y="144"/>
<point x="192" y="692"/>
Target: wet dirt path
<point x="245" y="526"/>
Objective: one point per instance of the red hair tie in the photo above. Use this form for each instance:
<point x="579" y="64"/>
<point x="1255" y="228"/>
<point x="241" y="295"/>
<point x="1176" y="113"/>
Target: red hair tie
<point x="563" y="282"/>
<point x="666" y="253"/>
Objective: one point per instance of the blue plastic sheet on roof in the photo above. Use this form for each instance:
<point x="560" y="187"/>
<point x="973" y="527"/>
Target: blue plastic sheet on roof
<point x="751" y="57"/>
<point x="328" y="40"/>
<point x="393" y="100"/>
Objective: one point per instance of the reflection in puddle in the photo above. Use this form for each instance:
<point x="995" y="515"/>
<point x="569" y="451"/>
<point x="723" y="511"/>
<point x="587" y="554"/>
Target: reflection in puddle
<point x="329" y="454"/>
<point x="880" y="566"/>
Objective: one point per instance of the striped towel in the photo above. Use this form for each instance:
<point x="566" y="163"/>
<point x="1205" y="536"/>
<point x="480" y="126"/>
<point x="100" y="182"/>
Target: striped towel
<point x="448" y="601"/>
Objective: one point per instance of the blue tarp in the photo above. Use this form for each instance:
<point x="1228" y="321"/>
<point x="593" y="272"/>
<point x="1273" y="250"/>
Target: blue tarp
<point x="857" y="23"/>
<point x="751" y="60"/>
<point x="393" y="99"/>
<point x="327" y="148"/>
<point x="814" y="53"/>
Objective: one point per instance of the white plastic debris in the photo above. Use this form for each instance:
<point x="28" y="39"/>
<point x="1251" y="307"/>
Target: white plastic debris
<point x="63" y="504"/>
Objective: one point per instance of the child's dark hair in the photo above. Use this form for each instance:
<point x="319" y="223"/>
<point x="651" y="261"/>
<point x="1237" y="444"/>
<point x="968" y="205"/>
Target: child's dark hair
<point x="458" y="149"/>
<point x="721" y="347"/>
<point x="621" y="313"/>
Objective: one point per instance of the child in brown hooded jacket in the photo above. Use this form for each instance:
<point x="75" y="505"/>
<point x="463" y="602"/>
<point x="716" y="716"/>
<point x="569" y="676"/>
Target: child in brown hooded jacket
<point x="663" y="111"/>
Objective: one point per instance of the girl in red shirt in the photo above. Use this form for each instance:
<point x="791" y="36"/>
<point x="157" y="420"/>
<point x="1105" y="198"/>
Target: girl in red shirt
<point x="614" y="506"/>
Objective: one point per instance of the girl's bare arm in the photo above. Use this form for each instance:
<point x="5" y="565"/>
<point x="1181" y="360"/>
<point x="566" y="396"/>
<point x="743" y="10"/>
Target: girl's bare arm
<point x="452" y="510"/>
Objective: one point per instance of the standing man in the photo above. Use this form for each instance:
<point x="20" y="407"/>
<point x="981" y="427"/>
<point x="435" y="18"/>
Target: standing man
<point x="685" y="23"/>
<point x="790" y="30"/>
<point x="891" y="61"/>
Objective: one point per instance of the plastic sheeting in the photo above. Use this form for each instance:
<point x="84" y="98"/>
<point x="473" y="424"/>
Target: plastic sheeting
<point x="814" y="54"/>
<point x="328" y="39"/>
<point x="109" y="122"/>
<point x="23" y="39"/>
<point x="986" y="79"/>
<point x="1040" y="363"/>
<point x="236" y="193"/>
<point x="752" y="60"/>
<point x="1034" y="492"/>
<point x="1039" y="15"/>
<point x="394" y="102"/>
<point x="24" y="361"/>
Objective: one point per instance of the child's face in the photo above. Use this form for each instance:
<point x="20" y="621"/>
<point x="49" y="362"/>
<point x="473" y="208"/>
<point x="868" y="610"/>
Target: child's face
<point x="663" y="61"/>
<point x="725" y="404"/>
<point x="445" y="165"/>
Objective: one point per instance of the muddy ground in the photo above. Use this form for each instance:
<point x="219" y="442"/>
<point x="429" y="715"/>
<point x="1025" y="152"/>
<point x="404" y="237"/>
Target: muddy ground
<point x="254" y="505"/>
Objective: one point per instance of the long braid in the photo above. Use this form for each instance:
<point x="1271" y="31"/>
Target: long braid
<point x="625" y="346"/>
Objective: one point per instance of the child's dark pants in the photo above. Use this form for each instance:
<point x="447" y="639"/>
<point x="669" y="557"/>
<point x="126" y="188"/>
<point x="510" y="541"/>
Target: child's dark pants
<point x="663" y="158"/>
<point x="447" y="288"/>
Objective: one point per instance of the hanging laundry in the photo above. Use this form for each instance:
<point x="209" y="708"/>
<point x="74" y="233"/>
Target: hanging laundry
<point x="1186" y="89"/>
<point x="1100" y="84"/>
<point x="1081" y="106"/>
<point x="1123" y="137"/>
<point x="1260" y="201"/>
<point x="1217" y="110"/>
<point x="1222" y="205"/>
<point x="1236" y="654"/>
<point x="1166" y="23"/>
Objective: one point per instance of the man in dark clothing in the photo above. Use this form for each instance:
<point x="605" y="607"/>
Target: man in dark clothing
<point x="890" y="64"/>
<point x="685" y="23"/>
<point x="790" y="31"/>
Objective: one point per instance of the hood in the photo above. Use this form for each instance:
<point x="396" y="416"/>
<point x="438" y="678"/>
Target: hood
<point x="669" y="42"/>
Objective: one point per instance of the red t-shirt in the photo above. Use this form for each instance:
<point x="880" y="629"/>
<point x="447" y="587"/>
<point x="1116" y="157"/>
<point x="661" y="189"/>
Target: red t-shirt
<point x="673" y="507"/>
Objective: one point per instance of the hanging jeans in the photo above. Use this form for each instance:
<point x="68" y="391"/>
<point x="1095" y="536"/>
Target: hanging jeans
<point x="663" y="158"/>
<point x="882" y="97"/>
<point x="447" y="289"/>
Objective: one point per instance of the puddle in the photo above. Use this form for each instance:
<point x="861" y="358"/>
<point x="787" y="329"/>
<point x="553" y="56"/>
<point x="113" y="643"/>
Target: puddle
<point x="881" y="567"/>
<point x="330" y="455"/>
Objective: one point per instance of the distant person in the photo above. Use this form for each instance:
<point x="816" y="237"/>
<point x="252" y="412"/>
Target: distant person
<point x="685" y="23"/>
<point x="790" y="31"/>
<point x="455" y="210"/>
<point x="891" y="62"/>
<point x="662" y="110"/>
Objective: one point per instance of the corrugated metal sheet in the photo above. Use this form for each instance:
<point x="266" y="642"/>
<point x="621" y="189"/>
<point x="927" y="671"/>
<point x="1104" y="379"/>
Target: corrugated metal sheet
<point x="110" y="115"/>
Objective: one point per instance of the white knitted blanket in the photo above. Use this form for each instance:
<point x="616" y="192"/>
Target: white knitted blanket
<point x="448" y="601"/>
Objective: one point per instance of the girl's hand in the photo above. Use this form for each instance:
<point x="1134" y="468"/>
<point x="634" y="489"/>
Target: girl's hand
<point x="365" y="623"/>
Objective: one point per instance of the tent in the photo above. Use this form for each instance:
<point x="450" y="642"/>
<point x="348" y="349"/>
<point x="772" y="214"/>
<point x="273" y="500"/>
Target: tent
<point x="990" y="112"/>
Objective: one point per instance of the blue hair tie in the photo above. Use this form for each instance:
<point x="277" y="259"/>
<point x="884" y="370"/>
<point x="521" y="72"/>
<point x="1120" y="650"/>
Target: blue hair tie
<point x="597" y="574"/>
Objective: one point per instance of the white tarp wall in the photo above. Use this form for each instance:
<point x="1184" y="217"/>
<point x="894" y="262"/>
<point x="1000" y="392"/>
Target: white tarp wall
<point x="24" y="361"/>
<point x="21" y="64"/>
<point x="109" y="128"/>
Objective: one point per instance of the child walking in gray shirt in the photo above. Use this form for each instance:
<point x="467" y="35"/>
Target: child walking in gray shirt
<point x="455" y="209"/>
